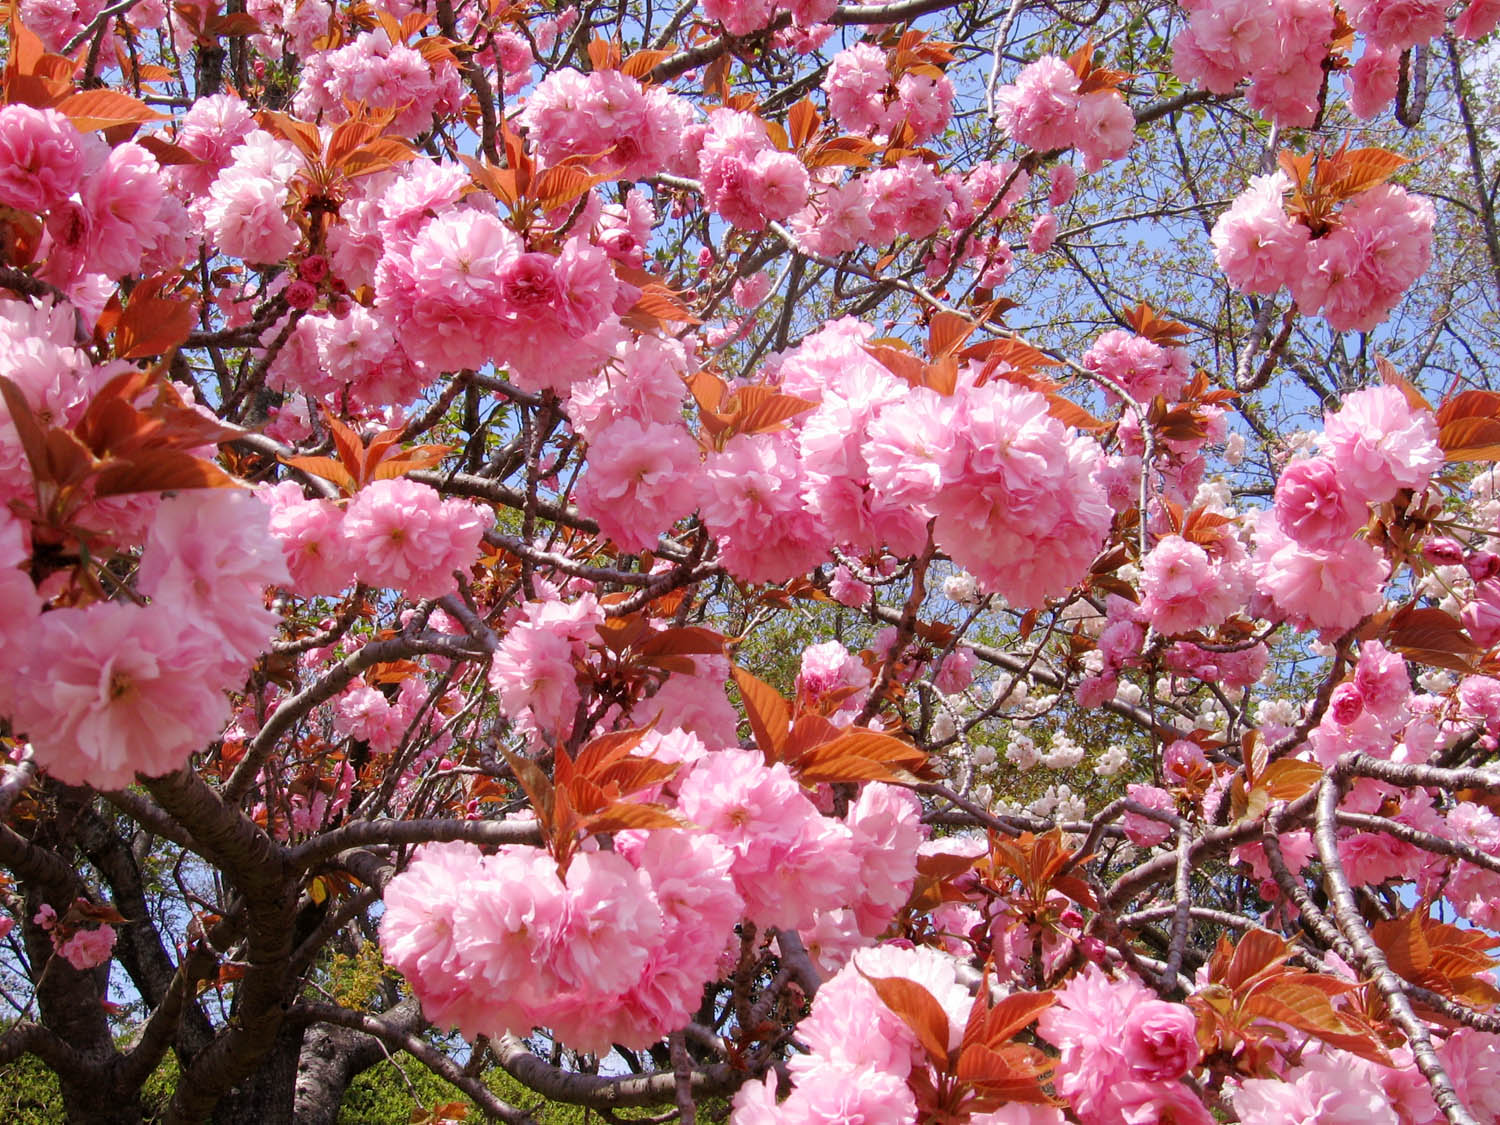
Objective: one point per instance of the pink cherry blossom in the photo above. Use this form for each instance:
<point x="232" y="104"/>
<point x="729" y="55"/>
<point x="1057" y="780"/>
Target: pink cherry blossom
<point x="403" y="535"/>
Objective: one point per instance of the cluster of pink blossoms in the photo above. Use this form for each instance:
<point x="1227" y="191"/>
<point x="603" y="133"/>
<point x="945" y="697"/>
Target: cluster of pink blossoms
<point x="1281" y="45"/>
<point x="1278" y="44"/>
<point x="83" y="947"/>
<point x="1045" y="109"/>
<point x="1353" y="273"/>
<point x="608" y="121"/>
<point x="747" y="179"/>
<point x="116" y="688"/>
<point x="1185" y="585"/>
<point x="1308" y="565"/>
<point x="467" y="292"/>
<point x="536" y="669"/>
<point x="379" y="74"/>
<point x="863" y="99"/>
<point x="619" y="950"/>
<point x="1141" y="366"/>
<point x="107" y="212"/>
<point x="397" y="534"/>
<point x="616" y="953"/>
<point x="741" y="17"/>
<point x="1335" y="1086"/>
<point x="1012" y="490"/>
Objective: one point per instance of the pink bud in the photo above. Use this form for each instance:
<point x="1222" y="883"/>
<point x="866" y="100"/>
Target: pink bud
<point x="314" y="268"/>
<point x="301" y="295"/>
<point x="1443" y="552"/>
<point x="1346" y="704"/>
<point x="1482" y="565"/>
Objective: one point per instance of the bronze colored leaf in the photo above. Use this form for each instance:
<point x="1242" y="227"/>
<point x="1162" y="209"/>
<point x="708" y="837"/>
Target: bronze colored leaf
<point x="771" y="412"/>
<point x="804" y="120"/>
<point x="768" y="713"/>
<point x="158" y="471"/>
<point x="659" y="302"/>
<point x="101" y="109"/>
<point x="919" y="1010"/>
<point x="376" y="156"/>
<point x="642" y="63"/>
<point x="993" y="1026"/>
<point x="325" y="467"/>
<point x="1286" y="779"/>
<point x="151" y="324"/>
<point x="1469" y="426"/>
<point x="1431" y="636"/>
<point x="561" y="185"/>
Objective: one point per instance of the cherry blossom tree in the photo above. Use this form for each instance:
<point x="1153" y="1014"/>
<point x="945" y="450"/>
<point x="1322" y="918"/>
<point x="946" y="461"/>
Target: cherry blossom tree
<point x="928" y="561"/>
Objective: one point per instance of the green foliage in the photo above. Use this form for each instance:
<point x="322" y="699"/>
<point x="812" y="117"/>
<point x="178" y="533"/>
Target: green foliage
<point x="31" y="1095"/>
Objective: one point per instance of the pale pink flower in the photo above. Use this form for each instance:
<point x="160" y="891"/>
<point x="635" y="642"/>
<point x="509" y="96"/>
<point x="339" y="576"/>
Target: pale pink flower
<point x="1314" y="507"/>
<point x="120" y="689"/>
<point x="640" y="480"/>
<point x="405" y="536"/>
<point x="1380" y="445"/>
<point x="1040" y="109"/>
<point x="1144" y="831"/>
<point x="1256" y="243"/>
<point x="1161" y="1041"/>
<point x="88" y="947"/>
<point x="42" y="158"/>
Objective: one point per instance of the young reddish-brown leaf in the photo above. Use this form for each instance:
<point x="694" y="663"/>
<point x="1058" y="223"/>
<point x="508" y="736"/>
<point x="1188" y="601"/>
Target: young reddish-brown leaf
<point x="560" y="185"/>
<point x="160" y="470"/>
<point x="691" y="640"/>
<point x="1393" y="378"/>
<point x="830" y="154"/>
<point x="102" y="109"/>
<point x="619" y="633"/>
<point x="327" y="468"/>
<point x="994" y="1025"/>
<point x="166" y="152"/>
<point x="376" y="156"/>
<point x="919" y="1010"/>
<point x="599" y="753"/>
<point x="1431" y="636"/>
<point x="640" y="65"/>
<point x="623" y="815"/>
<point x="769" y="715"/>
<point x="1012" y="351"/>
<point x="1257" y="952"/>
<point x="348" y="136"/>
<point x="232" y="24"/>
<point x="1469" y="426"/>
<point x="1286" y="779"/>
<point x="777" y="132"/>
<point x="769" y="411"/>
<point x="300" y="134"/>
<point x="941" y="375"/>
<point x="901" y="362"/>
<point x="1011" y="1073"/>
<point x="1300" y="1004"/>
<point x="152" y="324"/>
<point x="862" y="754"/>
<point x="804" y="122"/>
<point x="708" y="390"/>
<point x="1361" y="169"/>
<point x="660" y="303"/>
<point x="1145" y="321"/>
<point x="604" y="54"/>
<point x="948" y="332"/>
<point x="539" y="791"/>
<point x="1068" y="412"/>
<point x="716" y="78"/>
